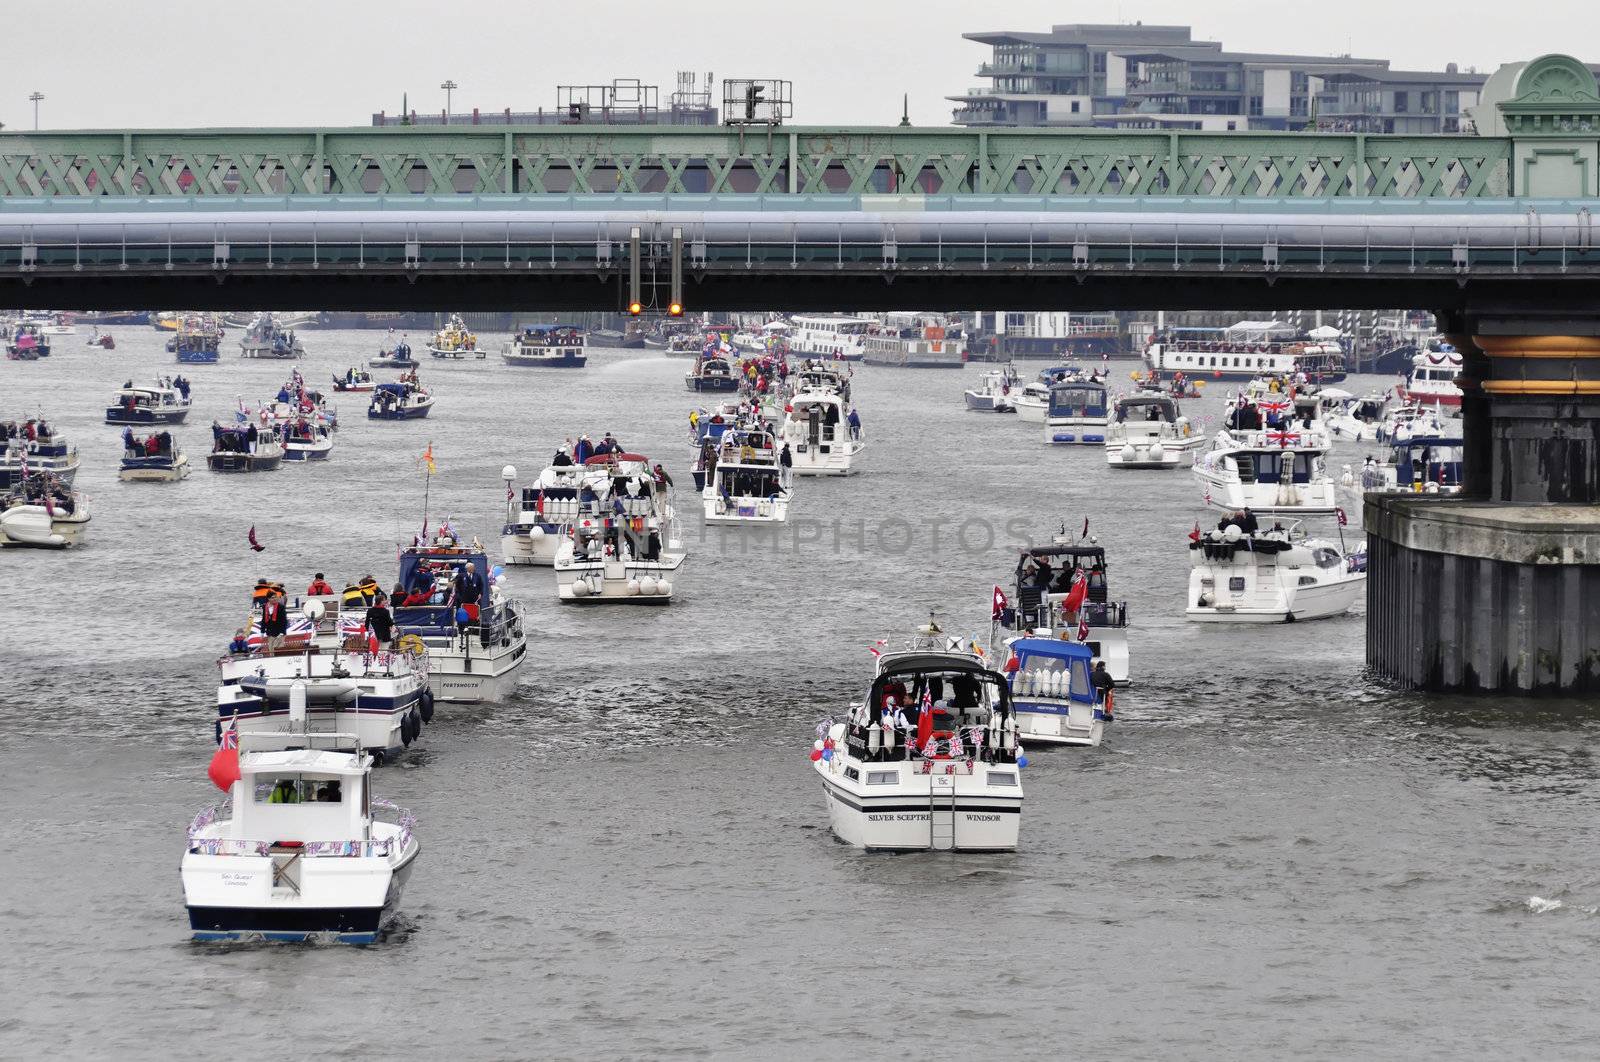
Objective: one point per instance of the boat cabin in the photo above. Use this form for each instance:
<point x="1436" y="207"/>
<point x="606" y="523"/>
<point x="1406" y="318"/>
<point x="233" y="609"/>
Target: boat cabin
<point x="299" y="796"/>
<point x="1146" y="407"/>
<point x="949" y="701"/>
<point x="550" y="335"/>
<point x="1080" y="399"/>
<point x="1045" y="574"/>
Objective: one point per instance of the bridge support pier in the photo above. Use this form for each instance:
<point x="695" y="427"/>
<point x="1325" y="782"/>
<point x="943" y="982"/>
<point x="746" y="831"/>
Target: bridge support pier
<point x="1498" y="589"/>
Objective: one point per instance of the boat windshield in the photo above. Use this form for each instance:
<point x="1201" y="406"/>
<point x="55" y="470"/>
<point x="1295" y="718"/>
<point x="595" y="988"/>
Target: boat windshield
<point x="959" y="693"/>
<point x="1077" y="400"/>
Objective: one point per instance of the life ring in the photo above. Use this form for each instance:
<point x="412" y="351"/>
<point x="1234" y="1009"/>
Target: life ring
<point x="412" y="643"/>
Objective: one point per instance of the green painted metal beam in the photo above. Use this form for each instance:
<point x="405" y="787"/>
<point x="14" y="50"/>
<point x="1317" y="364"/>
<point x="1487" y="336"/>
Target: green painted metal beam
<point x="805" y="160"/>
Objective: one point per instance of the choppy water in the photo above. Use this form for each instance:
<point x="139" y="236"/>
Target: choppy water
<point x="1270" y="855"/>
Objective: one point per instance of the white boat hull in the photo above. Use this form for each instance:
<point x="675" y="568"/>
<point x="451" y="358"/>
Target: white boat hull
<point x="1291" y="605"/>
<point x="1029" y="410"/>
<point x="829" y="459"/>
<point x="538" y="550"/>
<point x="746" y="511"/>
<point x="486" y="676"/>
<point x="1041" y="724"/>
<point x="179" y="469"/>
<point x="1076" y="431"/>
<point x="619" y="582"/>
<point x="908" y="817"/>
<point x="32" y="525"/>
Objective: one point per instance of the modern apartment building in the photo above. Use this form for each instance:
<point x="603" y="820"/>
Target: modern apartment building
<point x="1159" y="77"/>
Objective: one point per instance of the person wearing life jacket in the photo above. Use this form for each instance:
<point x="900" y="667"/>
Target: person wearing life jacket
<point x="261" y="593"/>
<point x="352" y="597"/>
<point x="274" y="623"/>
<point x="319" y="587"/>
<point x="369" y="589"/>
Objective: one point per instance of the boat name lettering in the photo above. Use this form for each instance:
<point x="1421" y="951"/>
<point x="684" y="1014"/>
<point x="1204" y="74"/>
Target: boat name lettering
<point x="899" y="816"/>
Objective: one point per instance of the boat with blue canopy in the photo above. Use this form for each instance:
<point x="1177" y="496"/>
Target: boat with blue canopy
<point x="406" y="399"/>
<point x="1078" y="413"/>
<point x="1053" y="694"/>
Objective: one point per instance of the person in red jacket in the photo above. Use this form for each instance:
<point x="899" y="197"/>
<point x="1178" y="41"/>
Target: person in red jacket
<point x="319" y="587"/>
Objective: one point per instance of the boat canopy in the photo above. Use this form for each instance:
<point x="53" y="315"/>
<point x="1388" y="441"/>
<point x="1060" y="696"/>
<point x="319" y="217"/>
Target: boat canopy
<point x="393" y="388"/>
<point x="1162" y="405"/>
<point x="960" y="681"/>
<point x="1081" y="398"/>
<point x="1049" y="656"/>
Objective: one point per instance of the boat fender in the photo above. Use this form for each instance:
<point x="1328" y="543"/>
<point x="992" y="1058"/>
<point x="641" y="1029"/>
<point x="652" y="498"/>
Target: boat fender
<point x="888" y="738"/>
<point x="633" y="587"/>
<point x="663" y="588"/>
<point x="1128" y="452"/>
<point x="647" y="585"/>
<point x="874" y="737"/>
<point x="405" y="729"/>
<point x="427" y="706"/>
<point x="415" y="715"/>
<point x="580" y="588"/>
<point x="1157" y="451"/>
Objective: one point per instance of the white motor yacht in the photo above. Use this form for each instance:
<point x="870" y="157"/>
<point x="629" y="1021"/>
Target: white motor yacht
<point x="818" y="432"/>
<point x="1078" y="413"/>
<point x="1270" y="577"/>
<point x="929" y="760"/>
<point x="1062" y="589"/>
<point x="1274" y="470"/>
<point x="1148" y="430"/>
<point x="623" y="545"/>
<point x="995" y="392"/>
<point x="1052" y="694"/>
<point x="45" y="452"/>
<point x="748" y="484"/>
<point x="43" y="512"/>
<point x="299" y="852"/>
<point x="162" y="403"/>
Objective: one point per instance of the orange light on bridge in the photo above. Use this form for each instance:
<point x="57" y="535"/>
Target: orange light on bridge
<point x="636" y="308"/>
<point x="675" y="309"/>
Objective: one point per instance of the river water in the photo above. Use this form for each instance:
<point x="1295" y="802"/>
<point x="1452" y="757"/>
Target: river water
<point x="1270" y="855"/>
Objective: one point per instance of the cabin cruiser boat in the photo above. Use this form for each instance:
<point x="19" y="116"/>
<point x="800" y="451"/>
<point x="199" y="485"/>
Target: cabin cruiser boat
<point x="300" y="853"/>
<point x="556" y="346"/>
<point x="1247" y="349"/>
<point x="26" y="341"/>
<point x="1052" y="694"/>
<point x="821" y="439"/>
<point x="835" y="337"/>
<point x="631" y="339"/>
<point x="395" y="356"/>
<point x="404" y="400"/>
<point x="994" y="393"/>
<point x="1402" y="422"/>
<point x="1433" y="376"/>
<point x="1148" y="430"/>
<point x="473" y="647"/>
<point x="163" y="403"/>
<point x="1276" y="576"/>
<point x="1275" y="470"/>
<point x="711" y="372"/>
<point x="1353" y="417"/>
<point x="264" y="338"/>
<point x="244" y="448"/>
<point x="198" y="340"/>
<point x="1419" y="463"/>
<point x="684" y="345"/>
<point x="746" y="484"/>
<point x="44" y="512"/>
<point x="1062" y="588"/>
<point x="355" y="380"/>
<point x="455" y="341"/>
<point x="1078" y="413"/>
<point x="306" y="439"/>
<point x="155" y="459"/>
<point x="535" y="523"/>
<point x="382" y="697"/>
<point x="624" y="544"/>
<point x="946" y="779"/>
<point x="1033" y="399"/>
<point x="45" y="452"/>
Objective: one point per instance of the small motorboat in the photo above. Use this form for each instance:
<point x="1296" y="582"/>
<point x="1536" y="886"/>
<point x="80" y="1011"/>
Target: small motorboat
<point x="1033" y="398"/>
<point x="198" y="340"/>
<point x="1149" y="430"/>
<point x="1271" y="470"/>
<point x="1053" y="694"/>
<point x="354" y="379"/>
<point x="406" y="399"/>
<point x="104" y="342"/>
<point x="300" y="852"/>
<point x="822" y="432"/>
<point x="1417" y="464"/>
<point x="995" y="392"/>
<point x="167" y="402"/>
<point x="1063" y="589"/>
<point x="265" y="338"/>
<point x="155" y="459"/>
<point x="456" y="342"/>
<point x="43" y="512"/>
<point x="1078" y="412"/>
<point x="305" y="439"/>
<point x="1276" y="576"/>
<point x="623" y="543"/>
<point x="746" y="482"/>
<point x="550" y="346"/>
<point x="34" y="445"/>
<point x="244" y="448"/>
<point x="27" y="341"/>
<point x="929" y="760"/>
<point x="711" y="372"/>
<point x="395" y="356"/>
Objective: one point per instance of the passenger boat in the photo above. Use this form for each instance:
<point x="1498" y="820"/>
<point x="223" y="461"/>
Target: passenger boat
<point x="822" y="437"/>
<point x="198" y="340"/>
<point x="1418" y="463"/>
<point x="306" y="439"/>
<point x="915" y="341"/>
<point x="1246" y="349"/>
<point x="165" y="403"/>
<point x="455" y="341"/>
<point x="404" y="400"/>
<point x="156" y="459"/>
<point x="711" y="372"/>
<point x="1148" y="430"/>
<point x="27" y="341"/>
<point x="473" y="633"/>
<point x="1276" y="470"/>
<point x="683" y="345"/>
<point x="994" y="393"/>
<point x="747" y="484"/>
<point x="395" y="356"/>
<point x="1276" y="576"/>
<point x="837" y="338"/>
<point x="1052" y="693"/>
<point x="299" y="853"/>
<point x="44" y="512"/>
<point x="625" y="544"/>
<point x="948" y="779"/>
<point x="554" y="346"/>
<point x="34" y="446"/>
<point x="1433" y="376"/>
<point x="1062" y="589"/>
<point x="1078" y="413"/>
<point x="265" y="338"/>
<point x="244" y="448"/>
<point x="354" y="380"/>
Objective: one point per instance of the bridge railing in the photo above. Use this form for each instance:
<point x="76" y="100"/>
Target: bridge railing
<point x="540" y="161"/>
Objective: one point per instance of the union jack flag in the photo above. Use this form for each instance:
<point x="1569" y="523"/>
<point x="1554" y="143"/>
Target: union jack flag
<point x="230" y="736"/>
<point x="1273" y="405"/>
<point x="298" y="636"/>
<point x="956" y="748"/>
<point x="1283" y="438"/>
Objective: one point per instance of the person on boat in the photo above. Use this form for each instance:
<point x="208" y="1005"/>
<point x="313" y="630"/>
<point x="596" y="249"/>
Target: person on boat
<point x="380" y="622"/>
<point x="240" y="646"/>
<point x="562" y="459"/>
<point x="274" y="623"/>
<point x="583" y="449"/>
<point x="469" y="590"/>
<point x="319" y="587"/>
<point x="284" y="793"/>
<point x="131" y="445"/>
<point x="854" y="421"/>
<point x="1248" y="522"/>
<point x="1103" y="683"/>
<point x="662" y="479"/>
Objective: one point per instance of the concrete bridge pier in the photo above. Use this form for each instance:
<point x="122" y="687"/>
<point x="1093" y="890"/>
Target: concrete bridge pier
<point x="1497" y="590"/>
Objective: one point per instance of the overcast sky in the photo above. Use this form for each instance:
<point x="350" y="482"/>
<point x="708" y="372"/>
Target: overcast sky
<point x="165" y="63"/>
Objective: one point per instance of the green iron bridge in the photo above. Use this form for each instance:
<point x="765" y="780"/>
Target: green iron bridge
<point x="465" y="217"/>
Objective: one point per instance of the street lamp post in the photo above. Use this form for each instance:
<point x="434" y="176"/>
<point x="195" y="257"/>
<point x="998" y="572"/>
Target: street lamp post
<point x="36" y="97"/>
<point x="449" y="87"/>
